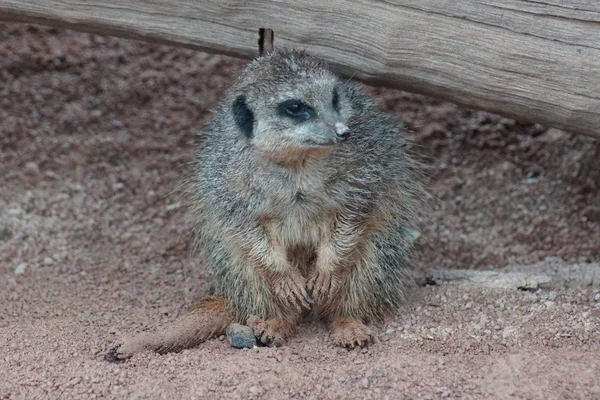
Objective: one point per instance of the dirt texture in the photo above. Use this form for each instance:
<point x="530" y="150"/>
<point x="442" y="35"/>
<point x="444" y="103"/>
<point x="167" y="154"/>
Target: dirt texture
<point x="95" y="134"/>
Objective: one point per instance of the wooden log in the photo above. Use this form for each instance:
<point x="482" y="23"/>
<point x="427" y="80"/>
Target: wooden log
<point x="536" y="61"/>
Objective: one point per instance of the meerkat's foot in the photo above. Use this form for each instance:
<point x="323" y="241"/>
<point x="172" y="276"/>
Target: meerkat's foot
<point x="351" y="332"/>
<point x="321" y="285"/>
<point x="208" y="318"/>
<point x="291" y="290"/>
<point x="272" y="332"/>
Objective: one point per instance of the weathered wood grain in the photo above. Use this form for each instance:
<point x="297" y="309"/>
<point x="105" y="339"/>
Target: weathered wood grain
<point x="535" y="61"/>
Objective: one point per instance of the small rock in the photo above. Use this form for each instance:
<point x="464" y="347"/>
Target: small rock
<point x="20" y="269"/>
<point x="74" y="381"/>
<point x="48" y="261"/>
<point x="173" y="206"/>
<point x="550" y="304"/>
<point x="31" y="169"/>
<point x="241" y="336"/>
<point x="364" y="383"/>
<point x="389" y="331"/>
<point x="591" y="213"/>
<point x="96" y="113"/>
<point x="255" y="390"/>
<point x="554" y="134"/>
<point x="151" y="196"/>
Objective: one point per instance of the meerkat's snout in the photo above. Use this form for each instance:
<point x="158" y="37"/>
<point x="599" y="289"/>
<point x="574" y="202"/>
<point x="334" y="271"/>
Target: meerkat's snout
<point x="342" y="132"/>
<point x="339" y="131"/>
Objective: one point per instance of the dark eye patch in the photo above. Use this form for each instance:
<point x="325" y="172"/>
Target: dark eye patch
<point x="335" y="100"/>
<point x="296" y="109"/>
<point x="243" y="116"/>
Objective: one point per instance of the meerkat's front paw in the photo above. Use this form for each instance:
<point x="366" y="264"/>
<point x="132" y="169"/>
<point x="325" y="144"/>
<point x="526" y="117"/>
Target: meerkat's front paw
<point x="291" y="290"/>
<point x="321" y="285"/>
<point x="350" y="332"/>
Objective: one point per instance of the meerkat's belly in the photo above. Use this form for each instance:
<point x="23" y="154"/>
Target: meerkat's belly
<point x="301" y="212"/>
<point x="297" y="229"/>
<point x="302" y="221"/>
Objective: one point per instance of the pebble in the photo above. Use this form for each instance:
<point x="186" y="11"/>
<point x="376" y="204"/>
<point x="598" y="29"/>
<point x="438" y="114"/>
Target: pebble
<point x="173" y="206"/>
<point x="241" y="336"/>
<point x="32" y="169"/>
<point x="255" y="390"/>
<point x="364" y="383"/>
<point x="74" y="381"/>
<point x="20" y="269"/>
<point x="151" y="196"/>
<point x="550" y="304"/>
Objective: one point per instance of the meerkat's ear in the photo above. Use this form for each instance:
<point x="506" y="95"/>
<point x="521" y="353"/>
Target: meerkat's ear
<point x="243" y="116"/>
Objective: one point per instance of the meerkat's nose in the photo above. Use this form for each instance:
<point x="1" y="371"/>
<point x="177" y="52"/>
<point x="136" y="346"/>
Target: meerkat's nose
<point x="342" y="132"/>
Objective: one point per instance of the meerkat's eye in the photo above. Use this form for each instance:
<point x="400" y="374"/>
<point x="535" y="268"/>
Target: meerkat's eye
<point x="335" y="101"/>
<point x="296" y="109"/>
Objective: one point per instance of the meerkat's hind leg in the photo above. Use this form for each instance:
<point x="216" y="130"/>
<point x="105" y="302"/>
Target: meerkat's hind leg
<point x="274" y="331"/>
<point x="208" y="318"/>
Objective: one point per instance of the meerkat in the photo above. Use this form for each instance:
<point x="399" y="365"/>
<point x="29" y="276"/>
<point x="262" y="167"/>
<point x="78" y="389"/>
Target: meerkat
<point x="303" y="198"/>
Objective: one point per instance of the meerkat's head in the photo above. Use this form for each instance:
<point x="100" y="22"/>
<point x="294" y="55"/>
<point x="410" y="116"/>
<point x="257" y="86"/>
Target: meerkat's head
<point x="288" y="103"/>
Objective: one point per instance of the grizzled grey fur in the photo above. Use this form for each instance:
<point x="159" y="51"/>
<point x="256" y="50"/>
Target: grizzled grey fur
<point x="304" y="196"/>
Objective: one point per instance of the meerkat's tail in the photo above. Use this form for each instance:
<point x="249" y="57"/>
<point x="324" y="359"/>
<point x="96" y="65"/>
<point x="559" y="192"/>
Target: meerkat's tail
<point x="208" y="318"/>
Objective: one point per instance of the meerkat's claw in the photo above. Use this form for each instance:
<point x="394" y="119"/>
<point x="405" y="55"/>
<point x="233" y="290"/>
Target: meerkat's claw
<point x="350" y="333"/>
<point x="265" y="333"/>
<point x="321" y="286"/>
<point x="291" y="290"/>
<point x="271" y="332"/>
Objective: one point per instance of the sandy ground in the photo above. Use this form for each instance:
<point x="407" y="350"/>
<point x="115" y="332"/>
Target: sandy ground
<point x="95" y="134"/>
